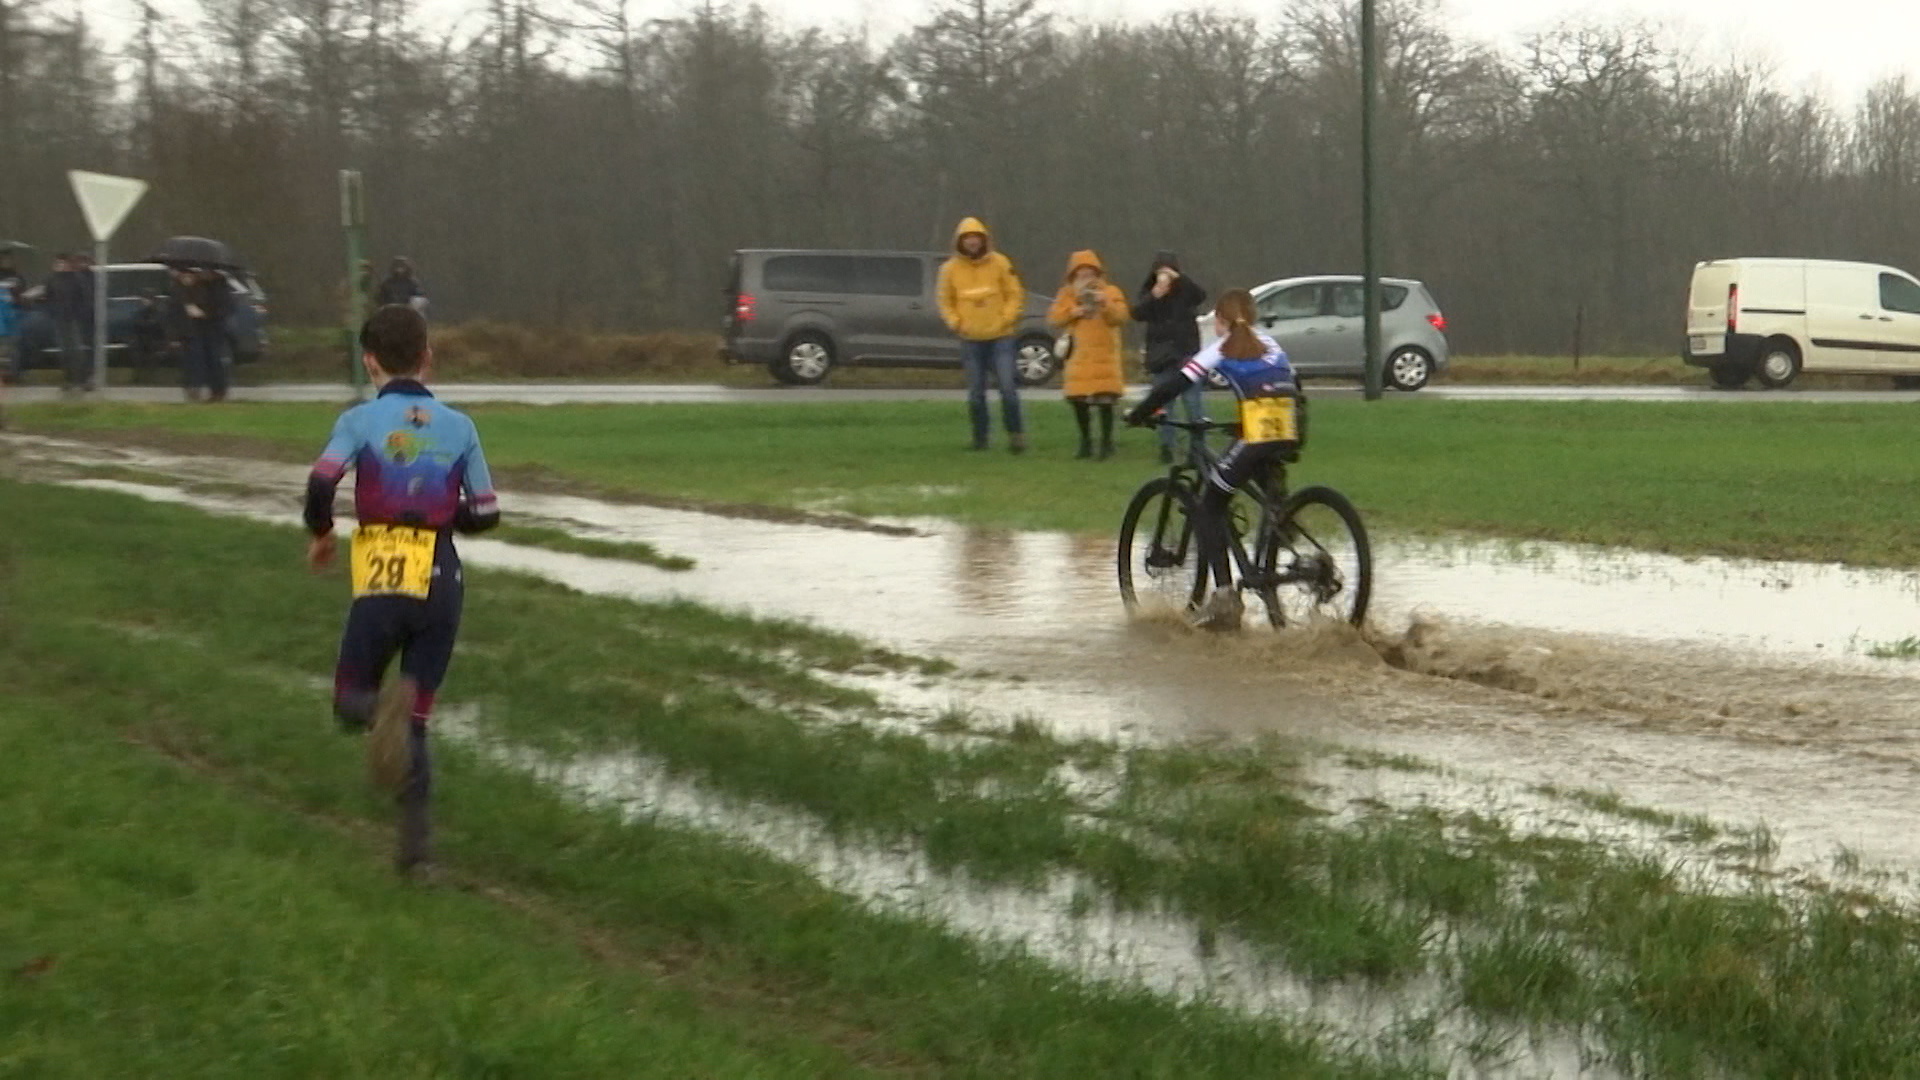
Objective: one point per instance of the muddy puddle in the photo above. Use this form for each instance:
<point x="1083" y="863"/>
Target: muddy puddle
<point x="1736" y="690"/>
<point x="1061" y="922"/>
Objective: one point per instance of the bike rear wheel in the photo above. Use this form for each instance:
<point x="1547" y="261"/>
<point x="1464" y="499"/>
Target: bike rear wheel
<point x="1159" y="556"/>
<point x="1317" y="561"/>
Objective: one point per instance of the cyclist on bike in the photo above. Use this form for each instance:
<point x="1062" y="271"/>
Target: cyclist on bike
<point x="1256" y="368"/>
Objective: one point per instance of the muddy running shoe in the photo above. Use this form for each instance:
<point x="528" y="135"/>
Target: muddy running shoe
<point x="1224" y="610"/>
<point x="388" y="754"/>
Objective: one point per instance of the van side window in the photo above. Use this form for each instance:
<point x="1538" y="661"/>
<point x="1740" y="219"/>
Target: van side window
<point x="1899" y="294"/>
<point x="1299" y="302"/>
<point x="808" y="274"/>
<point x="883" y="276"/>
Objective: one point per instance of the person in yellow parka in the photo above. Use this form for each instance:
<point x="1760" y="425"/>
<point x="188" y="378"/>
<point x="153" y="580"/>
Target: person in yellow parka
<point x="982" y="301"/>
<point x="1093" y="309"/>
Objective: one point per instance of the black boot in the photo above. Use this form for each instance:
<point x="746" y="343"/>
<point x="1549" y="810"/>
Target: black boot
<point x="1086" y="450"/>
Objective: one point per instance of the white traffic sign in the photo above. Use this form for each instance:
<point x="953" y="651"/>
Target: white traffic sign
<point x="105" y="200"/>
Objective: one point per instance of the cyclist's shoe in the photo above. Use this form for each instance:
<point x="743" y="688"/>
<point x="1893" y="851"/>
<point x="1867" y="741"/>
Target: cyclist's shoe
<point x="388" y="754"/>
<point x="1224" y="610"/>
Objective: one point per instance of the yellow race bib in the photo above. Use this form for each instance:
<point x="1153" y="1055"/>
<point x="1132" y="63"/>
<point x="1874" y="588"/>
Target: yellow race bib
<point x="392" y="560"/>
<point x="1269" y="420"/>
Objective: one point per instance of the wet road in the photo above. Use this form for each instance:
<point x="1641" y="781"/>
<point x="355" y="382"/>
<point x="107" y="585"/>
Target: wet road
<point x="641" y="393"/>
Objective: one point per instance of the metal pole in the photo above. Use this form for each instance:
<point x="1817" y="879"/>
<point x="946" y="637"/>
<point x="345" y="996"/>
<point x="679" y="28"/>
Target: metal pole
<point x="100" y="315"/>
<point x="1369" y="59"/>
<point x="353" y="218"/>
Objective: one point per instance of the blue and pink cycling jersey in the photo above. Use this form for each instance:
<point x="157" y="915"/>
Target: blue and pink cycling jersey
<point x="416" y="462"/>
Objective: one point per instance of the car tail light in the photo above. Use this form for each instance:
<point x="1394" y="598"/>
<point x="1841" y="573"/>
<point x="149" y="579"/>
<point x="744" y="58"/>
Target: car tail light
<point x="1733" y="308"/>
<point x="743" y="308"/>
<point x="1439" y="321"/>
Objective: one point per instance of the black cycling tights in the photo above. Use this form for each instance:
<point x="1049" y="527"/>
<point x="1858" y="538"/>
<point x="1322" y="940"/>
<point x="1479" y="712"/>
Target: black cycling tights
<point x="1210" y="528"/>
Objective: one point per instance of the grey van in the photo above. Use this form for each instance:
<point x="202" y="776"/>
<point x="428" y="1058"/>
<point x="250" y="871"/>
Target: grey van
<point x="1321" y="323"/>
<point x="804" y="313"/>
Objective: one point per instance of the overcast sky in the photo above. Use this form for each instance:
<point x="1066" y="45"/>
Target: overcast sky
<point x="1837" y="47"/>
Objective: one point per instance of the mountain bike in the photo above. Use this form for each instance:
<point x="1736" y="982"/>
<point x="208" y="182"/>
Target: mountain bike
<point x="1305" y="553"/>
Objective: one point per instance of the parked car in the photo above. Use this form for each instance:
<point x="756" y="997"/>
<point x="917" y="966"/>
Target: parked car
<point x="804" y="313"/>
<point x="1771" y="319"/>
<point x="127" y="286"/>
<point x="1321" y="322"/>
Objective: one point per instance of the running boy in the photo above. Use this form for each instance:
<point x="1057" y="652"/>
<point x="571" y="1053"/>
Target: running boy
<point x="419" y="476"/>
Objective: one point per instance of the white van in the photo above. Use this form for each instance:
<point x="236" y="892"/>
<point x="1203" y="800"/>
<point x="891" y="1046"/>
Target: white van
<point x="1771" y="319"/>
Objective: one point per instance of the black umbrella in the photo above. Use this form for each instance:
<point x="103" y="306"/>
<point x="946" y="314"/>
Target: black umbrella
<point x="195" y="251"/>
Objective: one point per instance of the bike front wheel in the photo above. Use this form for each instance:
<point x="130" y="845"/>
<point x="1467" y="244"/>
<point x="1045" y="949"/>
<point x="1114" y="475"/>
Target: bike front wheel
<point x="1159" y="555"/>
<point x="1317" y="563"/>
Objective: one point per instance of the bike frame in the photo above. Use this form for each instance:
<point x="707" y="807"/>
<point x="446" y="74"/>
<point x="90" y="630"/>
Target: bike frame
<point x="1193" y="473"/>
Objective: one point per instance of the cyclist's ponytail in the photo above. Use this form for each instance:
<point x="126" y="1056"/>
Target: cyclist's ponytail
<point x="1235" y="309"/>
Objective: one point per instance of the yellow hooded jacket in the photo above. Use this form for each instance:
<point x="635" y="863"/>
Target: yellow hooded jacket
<point x="981" y="299"/>
<point x="1093" y="369"/>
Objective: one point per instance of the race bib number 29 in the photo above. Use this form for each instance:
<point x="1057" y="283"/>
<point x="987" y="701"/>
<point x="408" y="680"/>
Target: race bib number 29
<point x="1266" y="420"/>
<point x="392" y="560"/>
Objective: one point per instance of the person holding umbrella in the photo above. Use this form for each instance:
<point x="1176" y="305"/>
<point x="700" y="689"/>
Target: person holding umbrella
<point x="201" y="301"/>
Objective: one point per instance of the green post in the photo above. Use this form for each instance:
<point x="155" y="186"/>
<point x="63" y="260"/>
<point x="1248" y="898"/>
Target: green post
<point x="1370" y="255"/>
<point x="353" y="218"/>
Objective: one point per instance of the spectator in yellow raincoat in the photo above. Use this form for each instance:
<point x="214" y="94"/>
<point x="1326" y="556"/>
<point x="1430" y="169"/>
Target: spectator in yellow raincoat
<point x="981" y="300"/>
<point x="1092" y="309"/>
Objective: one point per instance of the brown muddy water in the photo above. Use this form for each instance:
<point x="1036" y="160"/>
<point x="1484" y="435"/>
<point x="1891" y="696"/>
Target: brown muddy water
<point x="1740" y="690"/>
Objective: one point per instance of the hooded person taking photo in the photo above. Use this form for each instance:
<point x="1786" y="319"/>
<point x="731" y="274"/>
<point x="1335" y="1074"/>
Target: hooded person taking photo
<point x="1092" y="309"/>
<point x="981" y="300"/>
<point x="1169" y="304"/>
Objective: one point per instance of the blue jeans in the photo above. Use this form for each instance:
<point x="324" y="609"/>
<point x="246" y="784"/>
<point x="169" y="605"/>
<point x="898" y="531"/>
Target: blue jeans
<point x="980" y="357"/>
<point x="1193" y="404"/>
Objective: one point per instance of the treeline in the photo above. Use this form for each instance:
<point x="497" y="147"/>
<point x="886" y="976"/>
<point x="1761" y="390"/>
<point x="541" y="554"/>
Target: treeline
<point x="584" y="166"/>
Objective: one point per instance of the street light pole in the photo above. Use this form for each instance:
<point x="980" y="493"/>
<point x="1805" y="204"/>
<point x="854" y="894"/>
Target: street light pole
<point x="1369" y="241"/>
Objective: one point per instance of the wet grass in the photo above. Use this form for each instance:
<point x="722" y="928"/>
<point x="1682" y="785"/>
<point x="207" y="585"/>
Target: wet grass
<point x="197" y="885"/>
<point x="1677" y="975"/>
<point x="1775" y="480"/>
<point x="1907" y="648"/>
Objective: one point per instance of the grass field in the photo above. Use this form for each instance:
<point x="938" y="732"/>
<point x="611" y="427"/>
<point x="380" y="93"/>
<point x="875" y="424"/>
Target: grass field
<point x="203" y="895"/>
<point x="196" y="882"/>
<point x="1775" y="480"/>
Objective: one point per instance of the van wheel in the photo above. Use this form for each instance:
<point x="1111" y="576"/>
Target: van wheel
<point x="1409" y="369"/>
<point x="1033" y="361"/>
<point x="805" y="359"/>
<point x="1731" y="376"/>
<point x="1779" y="363"/>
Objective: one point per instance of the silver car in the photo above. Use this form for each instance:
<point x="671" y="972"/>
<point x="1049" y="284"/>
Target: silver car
<point x="1321" y="322"/>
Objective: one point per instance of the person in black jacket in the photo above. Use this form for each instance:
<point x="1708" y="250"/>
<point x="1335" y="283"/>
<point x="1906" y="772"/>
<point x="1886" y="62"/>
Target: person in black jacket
<point x="200" y="304"/>
<point x="69" y="301"/>
<point x="401" y="288"/>
<point x="1169" y="307"/>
